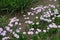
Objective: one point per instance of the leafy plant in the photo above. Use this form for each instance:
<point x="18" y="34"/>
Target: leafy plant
<point x="3" y="21"/>
<point x="13" y="5"/>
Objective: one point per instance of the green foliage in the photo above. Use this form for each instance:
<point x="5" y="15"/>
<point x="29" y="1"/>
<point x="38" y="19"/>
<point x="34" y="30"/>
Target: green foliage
<point x="57" y="21"/>
<point x="1" y="37"/>
<point x="34" y="37"/>
<point x="15" y="4"/>
<point x="3" y="21"/>
<point x="43" y="36"/>
<point x="52" y="31"/>
<point x="55" y="38"/>
<point x="52" y="10"/>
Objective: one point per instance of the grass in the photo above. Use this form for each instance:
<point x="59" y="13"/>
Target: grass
<point x="4" y="21"/>
<point x="13" y="5"/>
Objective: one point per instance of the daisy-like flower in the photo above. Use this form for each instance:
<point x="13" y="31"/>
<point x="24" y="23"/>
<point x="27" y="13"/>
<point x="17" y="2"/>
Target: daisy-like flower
<point x="19" y="23"/>
<point x="16" y="23"/>
<point x="24" y="15"/>
<point x="11" y="25"/>
<point x="37" y="23"/>
<point x="32" y="13"/>
<point x="5" y="38"/>
<point x="32" y="8"/>
<point x="16" y="19"/>
<point x="58" y="16"/>
<point x="55" y="0"/>
<point x="29" y="13"/>
<point x="24" y="32"/>
<point x="31" y="29"/>
<point x="20" y="28"/>
<point x="7" y="28"/>
<point x="30" y="32"/>
<point x="53" y="18"/>
<point x="15" y="35"/>
<point x="17" y="30"/>
<point x="1" y="29"/>
<point x="3" y="33"/>
<point x="36" y="17"/>
<point x="58" y="26"/>
<point x="36" y="32"/>
<point x="44" y="30"/>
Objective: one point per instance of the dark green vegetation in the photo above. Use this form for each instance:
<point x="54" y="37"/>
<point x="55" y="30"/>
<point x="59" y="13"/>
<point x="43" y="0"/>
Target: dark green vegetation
<point x="3" y="21"/>
<point x="14" y="5"/>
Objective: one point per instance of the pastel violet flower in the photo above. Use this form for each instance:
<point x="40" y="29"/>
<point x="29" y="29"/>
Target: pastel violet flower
<point x="11" y="25"/>
<point x="3" y="33"/>
<point x="7" y="28"/>
<point x="53" y="25"/>
<point x="36" y="32"/>
<point x="13" y="20"/>
<point x="16" y="35"/>
<point x="30" y="32"/>
<point x="17" y="20"/>
<point x="16" y="23"/>
<point x="56" y="11"/>
<point x="17" y="30"/>
<point x="1" y="29"/>
<point x="5" y="38"/>
<point x="10" y="30"/>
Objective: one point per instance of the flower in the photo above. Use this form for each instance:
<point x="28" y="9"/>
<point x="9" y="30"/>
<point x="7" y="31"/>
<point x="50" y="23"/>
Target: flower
<point x="36" y="17"/>
<point x="24" y="32"/>
<point x="5" y="38"/>
<point x="3" y="33"/>
<point x="1" y="29"/>
<point x="11" y="25"/>
<point x="44" y="30"/>
<point x="31" y="29"/>
<point x="17" y="30"/>
<point x="15" y="35"/>
<point x="38" y="30"/>
<point x="16" y="23"/>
